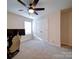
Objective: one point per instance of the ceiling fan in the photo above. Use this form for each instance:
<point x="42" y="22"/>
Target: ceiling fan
<point x="31" y="7"/>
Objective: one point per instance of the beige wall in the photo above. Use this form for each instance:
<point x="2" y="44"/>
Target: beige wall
<point x="54" y="28"/>
<point x="47" y="28"/>
<point x="66" y="27"/>
<point x="15" y="21"/>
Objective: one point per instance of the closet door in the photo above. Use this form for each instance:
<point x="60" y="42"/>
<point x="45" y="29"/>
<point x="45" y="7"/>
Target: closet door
<point x="66" y="27"/>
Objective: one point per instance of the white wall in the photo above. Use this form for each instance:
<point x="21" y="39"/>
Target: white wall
<point x="40" y="28"/>
<point x="15" y="21"/>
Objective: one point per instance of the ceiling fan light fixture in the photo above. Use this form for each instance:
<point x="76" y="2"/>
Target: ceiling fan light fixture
<point x="31" y="11"/>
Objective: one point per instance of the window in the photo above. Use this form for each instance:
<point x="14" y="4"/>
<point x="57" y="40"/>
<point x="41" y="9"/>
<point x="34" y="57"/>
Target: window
<point x="27" y="27"/>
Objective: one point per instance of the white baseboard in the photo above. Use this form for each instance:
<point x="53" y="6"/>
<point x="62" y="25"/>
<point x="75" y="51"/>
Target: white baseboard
<point x="36" y="37"/>
<point x="26" y="37"/>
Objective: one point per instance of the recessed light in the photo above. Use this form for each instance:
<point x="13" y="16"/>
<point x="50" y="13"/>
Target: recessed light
<point x="20" y="10"/>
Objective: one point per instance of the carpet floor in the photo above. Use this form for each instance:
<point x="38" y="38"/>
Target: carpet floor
<point x="36" y="49"/>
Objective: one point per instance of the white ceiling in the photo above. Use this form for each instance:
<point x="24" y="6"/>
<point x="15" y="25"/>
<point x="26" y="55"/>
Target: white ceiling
<point x="49" y="5"/>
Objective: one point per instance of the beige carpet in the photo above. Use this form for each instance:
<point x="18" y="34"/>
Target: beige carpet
<point x="36" y="49"/>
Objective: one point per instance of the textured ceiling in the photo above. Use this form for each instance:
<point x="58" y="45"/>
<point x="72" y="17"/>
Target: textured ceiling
<point x="49" y="5"/>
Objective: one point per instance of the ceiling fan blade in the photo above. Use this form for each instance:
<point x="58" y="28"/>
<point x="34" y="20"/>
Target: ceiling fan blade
<point x="36" y="13"/>
<point x="22" y="3"/>
<point x="39" y="9"/>
<point x="35" y="2"/>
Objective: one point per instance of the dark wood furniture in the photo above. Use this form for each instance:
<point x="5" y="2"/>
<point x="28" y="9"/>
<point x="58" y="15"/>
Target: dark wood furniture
<point x="11" y="33"/>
